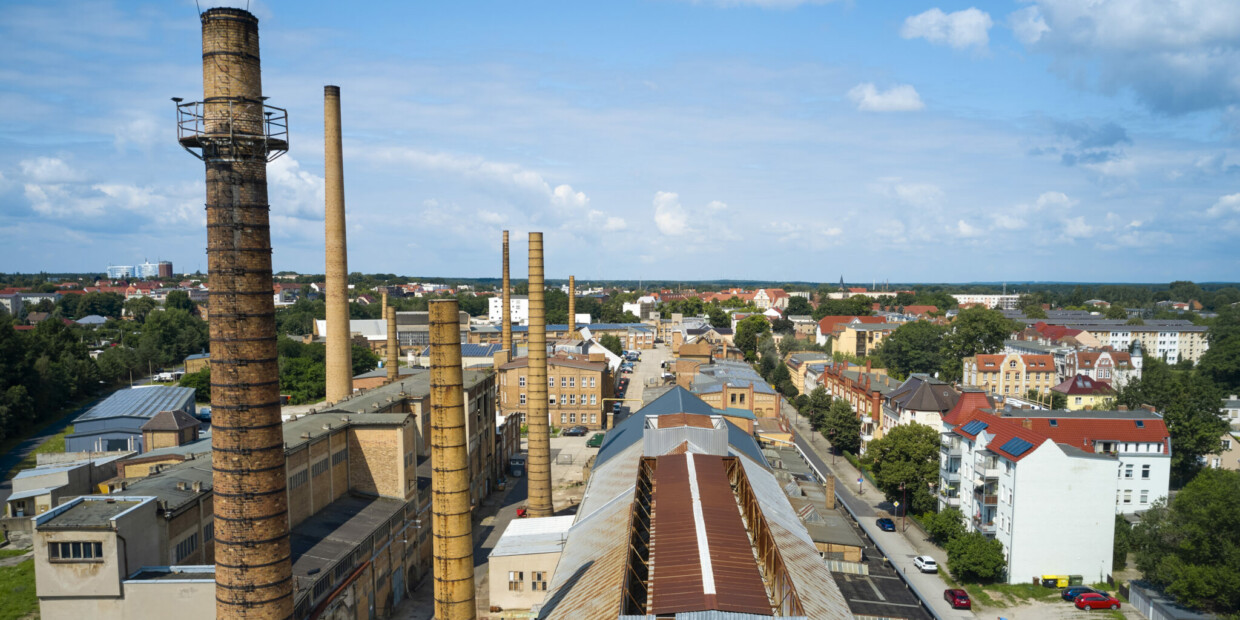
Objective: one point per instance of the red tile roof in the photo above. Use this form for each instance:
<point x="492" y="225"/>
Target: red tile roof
<point x="1001" y="432"/>
<point x="1083" y="385"/>
<point x="1082" y="433"/>
<point x="970" y="401"/>
<point x="922" y="309"/>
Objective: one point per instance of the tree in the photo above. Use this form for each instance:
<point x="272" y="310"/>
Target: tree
<point x="139" y="307"/>
<point x="841" y="427"/>
<point x="1116" y="312"/>
<point x="364" y="360"/>
<point x="1189" y="403"/>
<point x="782" y="326"/>
<point x="1122" y="545"/>
<point x="1136" y="320"/>
<point x="857" y="305"/>
<point x="975" y="330"/>
<point x="612" y="343"/>
<point x="1221" y="362"/>
<point x="799" y="306"/>
<point x="946" y="526"/>
<point x="747" y="332"/>
<point x="818" y="404"/>
<point x="1192" y="545"/>
<point x="908" y="455"/>
<point x="718" y="318"/>
<point x="201" y="382"/>
<point x="913" y="347"/>
<point x="788" y="344"/>
<point x="973" y="556"/>
<point x="180" y="300"/>
<point x="103" y="304"/>
<point x="169" y="336"/>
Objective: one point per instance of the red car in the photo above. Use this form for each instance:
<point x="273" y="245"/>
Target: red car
<point x="1093" y="600"/>
<point x="959" y="599"/>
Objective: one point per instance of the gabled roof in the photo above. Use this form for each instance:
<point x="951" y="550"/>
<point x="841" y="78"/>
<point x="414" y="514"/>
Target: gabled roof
<point x="1082" y="385"/>
<point x="971" y="400"/>
<point x="1001" y="433"/>
<point x="1081" y="433"/>
<point x="828" y="323"/>
<point x="923" y="393"/>
<point x="174" y="420"/>
<point x="676" y="400"/>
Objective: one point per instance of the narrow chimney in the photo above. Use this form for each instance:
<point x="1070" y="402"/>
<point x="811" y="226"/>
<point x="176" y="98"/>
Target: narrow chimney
<point x="506" y="303"/>
<point x="453" y="545"/>
<point x="572" y="307"/>
<point x="1027" y="423"/>
<point x="538" y="418"/>
<point x="393" y="347"/>
<point x="230" y="132"/>
<point x="829" y="491"/>
<point x="339" y="348"/>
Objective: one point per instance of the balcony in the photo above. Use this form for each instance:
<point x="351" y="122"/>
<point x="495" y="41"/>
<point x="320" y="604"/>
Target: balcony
<point x="949" y="495"/>
<point x="985" y="527"/>
<point x="866" y="419"/>
<point x="950" y="445"/>
<point x="951" y="476"/>
<point x="988" y="467"/>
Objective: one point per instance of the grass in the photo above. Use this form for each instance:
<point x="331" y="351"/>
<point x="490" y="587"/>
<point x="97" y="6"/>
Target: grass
<point x="12" y="553"/>
<point x="17" y="584"/>
<point x="55" y="443"/>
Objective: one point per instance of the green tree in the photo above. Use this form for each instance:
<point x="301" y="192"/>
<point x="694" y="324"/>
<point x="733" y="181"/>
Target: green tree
<point x="1058" y="400"/>
<point x="913" y="347"/>
<point x="1122" y="545"/>
<point x="201" y="382"/>
<point x="718" y="318"/>
<point x="842" y="427"/>
<point x="799" y="306"/>
<point x="782" y="326"/>
<point x="139" y="307"/>
<point x="1221" y="362"/>
<point x="169" y="336"/>
<point x="747" y="332"/>
<point x="908" y="455"/>
<point x="179" y="300"/>
<point x="974" y="557"/>
<point x="1189" y="403"/>
<point x="818" y="405"/>
<point x="975" y="330"/>
<point x="1136" y="320"/>
<point x="103" y="304"/>
<point x="945" y="526"/>
<point x="1116" y="312"/>
<point x="364" y="360"/>
<point x="612" y="343"/>
<point x="1192" y="545"/>
<point x="857" y="305"/>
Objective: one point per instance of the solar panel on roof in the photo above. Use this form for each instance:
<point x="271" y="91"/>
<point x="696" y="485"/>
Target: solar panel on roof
<point x="1016" y="446"/>
<point x="974" y="427"/>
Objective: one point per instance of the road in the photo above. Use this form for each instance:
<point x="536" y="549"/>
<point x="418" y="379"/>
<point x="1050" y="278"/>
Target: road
<point x="23" y="449"/>
<point x="900" y="549"/>
<point x="643" y="371"/>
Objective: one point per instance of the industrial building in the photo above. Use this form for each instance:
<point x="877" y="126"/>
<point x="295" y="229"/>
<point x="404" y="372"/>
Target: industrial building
<point x="116" y="423"/>
<point x="577" y="389"/>
<point x="682" y="515"/>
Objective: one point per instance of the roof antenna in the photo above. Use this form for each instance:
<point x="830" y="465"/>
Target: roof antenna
<point x="199" y="7"/>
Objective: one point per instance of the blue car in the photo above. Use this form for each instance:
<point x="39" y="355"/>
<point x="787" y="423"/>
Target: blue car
<point x="886" y="525"/>
<point x="1070" y="593"/>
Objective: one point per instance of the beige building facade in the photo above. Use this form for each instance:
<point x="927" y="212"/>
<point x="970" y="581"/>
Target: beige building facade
<point x="577" y="390"/>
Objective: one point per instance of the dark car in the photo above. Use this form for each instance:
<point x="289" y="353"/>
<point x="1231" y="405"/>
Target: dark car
<point x="595" y="441"/>
<point x="886" y="525"/>
<point x="1070" y="593"/>
<point x="575" y="431"/>
<point x="957" y="598"/>
<point x="1093" y="600"/>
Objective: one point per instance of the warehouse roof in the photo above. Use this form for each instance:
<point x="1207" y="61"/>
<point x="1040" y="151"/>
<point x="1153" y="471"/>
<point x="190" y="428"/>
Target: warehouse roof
<point x="141" y="402"/>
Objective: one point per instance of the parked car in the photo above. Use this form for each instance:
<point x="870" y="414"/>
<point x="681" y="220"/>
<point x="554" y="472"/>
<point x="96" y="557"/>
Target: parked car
<point x="575" y="431"/>
<point x="615" y="408"/>
<point x="926" y="564"/>
<point x="1069" y="594"/>
<point x="595" y="441"/>
<point x="957" y="598"/>
<point x="886" y="525"/>
<point x="1093" y="600"/>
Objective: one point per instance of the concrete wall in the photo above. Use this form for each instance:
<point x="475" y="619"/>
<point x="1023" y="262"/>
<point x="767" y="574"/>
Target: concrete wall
<point x="498" y="569"/>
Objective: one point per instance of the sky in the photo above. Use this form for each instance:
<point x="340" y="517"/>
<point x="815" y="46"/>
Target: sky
<point x="1045" y="140"/>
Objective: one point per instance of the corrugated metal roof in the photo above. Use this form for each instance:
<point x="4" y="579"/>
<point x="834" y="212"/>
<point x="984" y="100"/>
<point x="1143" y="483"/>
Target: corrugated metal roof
<point x="529" y="536"/>
<point x="676" y="400"/>
<point x="141" y="402"/>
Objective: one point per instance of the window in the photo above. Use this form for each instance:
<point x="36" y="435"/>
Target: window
<point x="563" y="418"/>
<point x="1128" y="471"/>
<point x="521" y="381"/>
<point x="593" y="418"/>
<point x="298" y="479"/>
<point x="551" y="398"/>
<point x="522" y="399"/>
<point x="1145" y="496"/>
<point x="1127" y="496"/>
<point x="572" y="382"/>
<point x="572" y="399"/>
<point x="591" y="381"/>
<point x="594" y="399"/>
<point x="1012" y="364"/>
<point x="572" y="418"/>
<point x="515" y="581"/>
<point x="340" y="456"/>
<point x="550" y="381"/>
<point x="1078" y="400"/>
<point x="733" y="399"/>
<point x="538" y="581"/>
<point x="208" y="532"/>
<point x="187" y="546"/>
<point x="563" y="381"/>
<point x="75" y="551"/>
<point x="742" y="399"/>
<point x="318" y="468"/>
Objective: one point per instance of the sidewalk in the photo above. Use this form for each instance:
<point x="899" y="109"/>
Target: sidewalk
<point x="901" y="549"/>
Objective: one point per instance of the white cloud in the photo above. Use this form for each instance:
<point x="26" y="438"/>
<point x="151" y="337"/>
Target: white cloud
<point x="48" y="170"/>
<point x="600" y="220"/>
<point x="965" y="229"/>
<point x="1053" y="200"/>
<point x="670" y="218"/>
<point x="922" y="195"/>
<point x="1177" y="57"/>
<point x="902" y="98"/>
<point x="960" y="30"/>
<point x="716" y="206"/>
<point x="296" y="192"/>
<point x="1076" y="227"/>
<point x="1224" y="205"/>
<point x="1027" y="24"/>
<point x="564" y="196"/>
<point x="1008" y="222"/>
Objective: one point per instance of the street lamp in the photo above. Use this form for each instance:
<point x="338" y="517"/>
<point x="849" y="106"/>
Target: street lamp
<point x="903" y="520"/>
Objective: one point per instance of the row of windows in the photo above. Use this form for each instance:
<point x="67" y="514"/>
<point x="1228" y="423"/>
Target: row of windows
<point x="298" y="479"/>
<point x="187" y="547"/>
<point x="339" y="457"/>
<point x="516" y="581"/>
<point x="1126" y="496"/>
<point x="571" y="418"/>
<point x="318" y="468"/>
<point x="1145" y="471"/>
<point x="564" y="381"/>
<point x="75" y="551"/>
<point x="565" y="399"/>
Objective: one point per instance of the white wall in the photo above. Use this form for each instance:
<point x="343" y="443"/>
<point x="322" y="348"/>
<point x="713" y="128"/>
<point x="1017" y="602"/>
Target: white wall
<point x="1062" y="515"/>
<point x="1155" y="486"/>
<point x="519" y="309"/>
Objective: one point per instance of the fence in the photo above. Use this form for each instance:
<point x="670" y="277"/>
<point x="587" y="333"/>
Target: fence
<point x="1155" y="606"/>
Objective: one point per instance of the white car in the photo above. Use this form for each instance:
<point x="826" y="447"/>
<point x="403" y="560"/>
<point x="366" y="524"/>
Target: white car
<point x="926" y="564"/>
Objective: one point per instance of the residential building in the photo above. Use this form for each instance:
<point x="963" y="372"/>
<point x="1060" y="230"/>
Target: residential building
<point x="116" y="422"/>
<point x="518" y="309"/>
<point x="861" y="339"/>
<point x="829" y="326"/>
<point x="1230" y="411"/>
<point x="1085" y="393"/>
<point x="859" y="386"/>
<point x="120" y="272"/>
<point x="921" y="399"/>
<point x="1229" y="456"/>
<point x="767" y="298"/>
<point x="577" y="390"/>
<point x="1171" y="340"/>
<point x="11" y="303"/>
<point x="798" y="364"/>
<point x="642" y="308"/>
<point x="854" y="291"/>
<point x="1010" y="374"/>
<point x="1002" y="302"/>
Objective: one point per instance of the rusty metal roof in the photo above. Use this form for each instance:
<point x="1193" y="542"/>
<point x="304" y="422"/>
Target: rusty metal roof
<point x="700" y="549"/>
<point x="684" y="419"/>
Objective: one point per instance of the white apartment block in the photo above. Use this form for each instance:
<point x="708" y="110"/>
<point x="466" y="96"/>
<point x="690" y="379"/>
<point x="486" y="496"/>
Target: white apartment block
<point x="1002" y="302"/>
<point x="519" y="309"/>
<point x="1169" y="342"/>
<point x="1050" y="504"/>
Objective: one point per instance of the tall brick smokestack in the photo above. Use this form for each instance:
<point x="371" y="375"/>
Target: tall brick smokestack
<point x="453" y="546"/>
<point x="537" y="418"/>
<point x="506" y="300"/>
<point x="339" y="349"/>
<point x="229" y="132"/>
<point x="572" y="307"/>
<point x="393" y="347"/>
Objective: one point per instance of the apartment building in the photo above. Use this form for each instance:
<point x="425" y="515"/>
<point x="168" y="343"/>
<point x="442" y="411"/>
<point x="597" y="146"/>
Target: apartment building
<point x="577" y="390"/>
<point x="1082" y="392"/>
<point x="860" y="387"/>
<point x="1171" y="340"/>
<point x="829" y="326"/>
<point x="798" y="365"/>
<point x="1010" y="374"/>
<point x="1114" y="367"/>
<point x="1002" y="302"/>
<point x="1049" y="503"/>
<point x="518" y="309"/>
<point x="920" y="399"/>
<point x="861" y="339"/>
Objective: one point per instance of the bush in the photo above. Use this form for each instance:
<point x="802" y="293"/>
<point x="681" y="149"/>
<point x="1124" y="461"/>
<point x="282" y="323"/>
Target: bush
<point x="974" y="557"/>
<point x="946" y="526"/>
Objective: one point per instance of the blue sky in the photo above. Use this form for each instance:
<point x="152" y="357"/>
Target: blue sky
<point x="764" y="139"/>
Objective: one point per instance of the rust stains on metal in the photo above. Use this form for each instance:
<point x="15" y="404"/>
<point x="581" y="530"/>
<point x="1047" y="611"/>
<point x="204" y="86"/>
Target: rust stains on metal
<point x="694" y="420"/>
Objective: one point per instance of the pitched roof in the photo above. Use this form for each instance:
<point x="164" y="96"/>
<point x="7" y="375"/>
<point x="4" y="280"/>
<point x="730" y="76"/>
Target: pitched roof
<point x="922" y="393"/>
<point x="828" y="323"/>
<point x="174" y="420"/>
<point x="1083" y="432"/>
<point x="971" y="400"/>
<point x="1083" y="385"/>
<point x="523" y="362"/>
